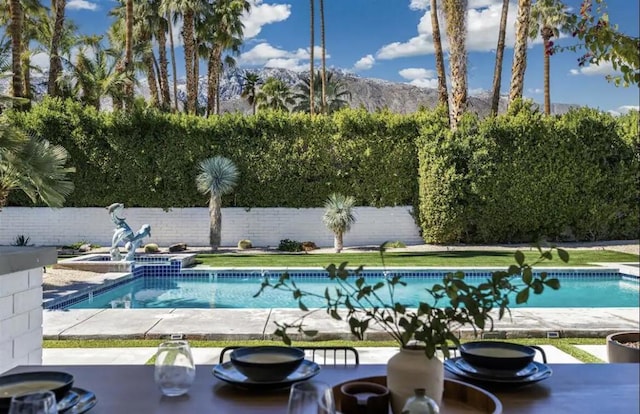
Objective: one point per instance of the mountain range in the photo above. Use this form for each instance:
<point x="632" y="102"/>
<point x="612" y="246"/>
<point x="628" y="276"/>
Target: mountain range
<point x="371" y="94"/>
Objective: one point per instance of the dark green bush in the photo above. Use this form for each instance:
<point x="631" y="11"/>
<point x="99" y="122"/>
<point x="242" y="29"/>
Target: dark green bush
<point x="287" y="245"/>
<point x="524" y="176"/>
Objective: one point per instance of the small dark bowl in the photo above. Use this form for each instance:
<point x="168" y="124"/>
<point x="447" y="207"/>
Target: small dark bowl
<point x="58" y="382"/>
<point x="497" y="355"/>
<point x="267" y="363"/>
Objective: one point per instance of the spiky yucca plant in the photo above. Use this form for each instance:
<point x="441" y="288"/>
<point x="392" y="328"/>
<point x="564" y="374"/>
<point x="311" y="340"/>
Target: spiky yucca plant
<point x="218" y="176"/>
<point x="338" y="217"/>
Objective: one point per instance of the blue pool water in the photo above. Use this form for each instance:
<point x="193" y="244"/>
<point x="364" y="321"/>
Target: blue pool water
<point x="236" y="290"/>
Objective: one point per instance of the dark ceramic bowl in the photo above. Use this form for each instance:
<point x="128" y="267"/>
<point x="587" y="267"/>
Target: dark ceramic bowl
<point x="29" y="382"/>
<point x="267" y="363"/>
<point x="497" y="355"/>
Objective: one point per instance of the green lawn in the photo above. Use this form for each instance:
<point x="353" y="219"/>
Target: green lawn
<point x="564" y="344"/>
<point x="395" y="259"/>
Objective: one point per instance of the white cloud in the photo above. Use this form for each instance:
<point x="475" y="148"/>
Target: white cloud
<point x="262" y="14"/>
<point x="601" y="69"/>
<point x="536" y="91"/>
<point x="291" y="64"/>
<point x="417" y="73"/>
<point x="270" y="56"/>
<point x="261" y="53"/>
<point x="419" y="4"/>
<point x="81" y="5"/>
<point x="420" y="77"/>
<point x="483" y="21"/>
<point x="364" y="63"/>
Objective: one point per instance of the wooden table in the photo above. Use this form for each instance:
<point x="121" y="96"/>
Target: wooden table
<point x="573" y="388"/>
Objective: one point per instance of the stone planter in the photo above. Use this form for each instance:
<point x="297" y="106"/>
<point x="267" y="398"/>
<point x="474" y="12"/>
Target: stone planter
<point x="618" y="350"/>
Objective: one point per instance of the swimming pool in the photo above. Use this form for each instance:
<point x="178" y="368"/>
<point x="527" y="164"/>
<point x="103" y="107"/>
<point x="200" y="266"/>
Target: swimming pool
<point x="235" y="289"/>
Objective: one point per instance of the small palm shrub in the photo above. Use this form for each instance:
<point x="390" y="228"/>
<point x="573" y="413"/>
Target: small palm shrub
<point x="287" y="245"/>
<point x="244" y="244"/>
<point x="338" y="217"/>
<point x="218" y="176"/>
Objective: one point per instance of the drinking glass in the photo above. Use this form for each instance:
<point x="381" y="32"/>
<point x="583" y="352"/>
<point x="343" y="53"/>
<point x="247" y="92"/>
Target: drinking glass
<point x="36" y="403"/>
<point x="175" y="370"/>
<point x="311" y="397"/>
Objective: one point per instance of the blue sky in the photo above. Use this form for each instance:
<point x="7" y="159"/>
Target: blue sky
<point x="391" y="40"/>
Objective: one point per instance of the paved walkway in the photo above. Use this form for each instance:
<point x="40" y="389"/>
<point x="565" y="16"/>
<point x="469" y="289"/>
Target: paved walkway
<point x="246" y="324"/>
<point x="209" y="356"/>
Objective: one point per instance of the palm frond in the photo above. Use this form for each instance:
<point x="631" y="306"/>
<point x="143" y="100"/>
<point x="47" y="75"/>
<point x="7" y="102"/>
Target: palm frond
<point x="218" y="175"/>
<point x="338" y="215"/>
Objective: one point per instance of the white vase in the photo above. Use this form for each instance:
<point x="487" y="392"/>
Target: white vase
<point x="410" y="369"/>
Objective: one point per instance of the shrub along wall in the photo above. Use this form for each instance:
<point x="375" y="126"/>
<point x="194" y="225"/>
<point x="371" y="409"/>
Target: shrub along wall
<point x="524" y="176"/>
<point x="512" y="178"/>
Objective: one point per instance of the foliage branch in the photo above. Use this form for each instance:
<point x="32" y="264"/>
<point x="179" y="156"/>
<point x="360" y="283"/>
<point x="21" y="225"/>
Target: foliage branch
<point x="455" y="302"/>
<point x="603" y="42"/>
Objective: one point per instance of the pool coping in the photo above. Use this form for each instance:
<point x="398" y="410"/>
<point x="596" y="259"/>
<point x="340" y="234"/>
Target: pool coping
<point x="246" y="324"/>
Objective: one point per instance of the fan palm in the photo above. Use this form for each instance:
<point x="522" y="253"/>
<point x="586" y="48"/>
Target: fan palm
<point x="548" y="17"/>
<point x="249" y="88"/>
<point x="34" y="166"/>
<point x="338" y="217"/>
<point x="218" y="176"/>
<point x="275" y="94"/>
<point x="336" y="98"/>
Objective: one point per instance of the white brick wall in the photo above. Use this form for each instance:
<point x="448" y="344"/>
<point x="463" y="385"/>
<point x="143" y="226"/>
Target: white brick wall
<point x="20" y="318"/>
<point x="263" y="226"/>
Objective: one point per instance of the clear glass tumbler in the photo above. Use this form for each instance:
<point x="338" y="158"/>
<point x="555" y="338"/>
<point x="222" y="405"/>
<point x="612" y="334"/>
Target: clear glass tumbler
<point x="175" y="370"/>
<point x="311" y="397"/>
<point x="36" y="403"/>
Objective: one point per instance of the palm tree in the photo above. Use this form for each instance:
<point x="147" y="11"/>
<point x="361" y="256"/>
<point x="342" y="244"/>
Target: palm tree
<point x="34" y="166"/>
<point x="312" y="17"/>
<point x="218" y="176"/>
<point x="324" y="60"/>
<point x="189" y="9"/>
<point x="455" y="12"/>
<point x="225" y="31"/>
<point x="249" y="88"/>
<point x="443" y="95"/>
<point x="547" y="17"/>
<point x="55" y="62"/>
<point x="275" y="94"/>
<point x="337" y="95"/>
<point x="338" y="217"/>
<point x="128" y="52"/>
<point x="93" y="74"/>
<point x="519" y="65"/>
<point x="15" y="31"/>
<point x="497" y="71"/>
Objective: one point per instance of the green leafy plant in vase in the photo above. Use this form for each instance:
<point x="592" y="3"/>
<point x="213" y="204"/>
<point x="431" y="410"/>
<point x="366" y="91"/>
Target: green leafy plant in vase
<point x="423" y="330"/>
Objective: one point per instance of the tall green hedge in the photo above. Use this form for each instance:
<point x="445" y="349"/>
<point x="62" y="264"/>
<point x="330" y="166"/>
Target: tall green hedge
<point x="524" y="176"/>
<point x="513" y="178"/>
<point x="150" y="159"/>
